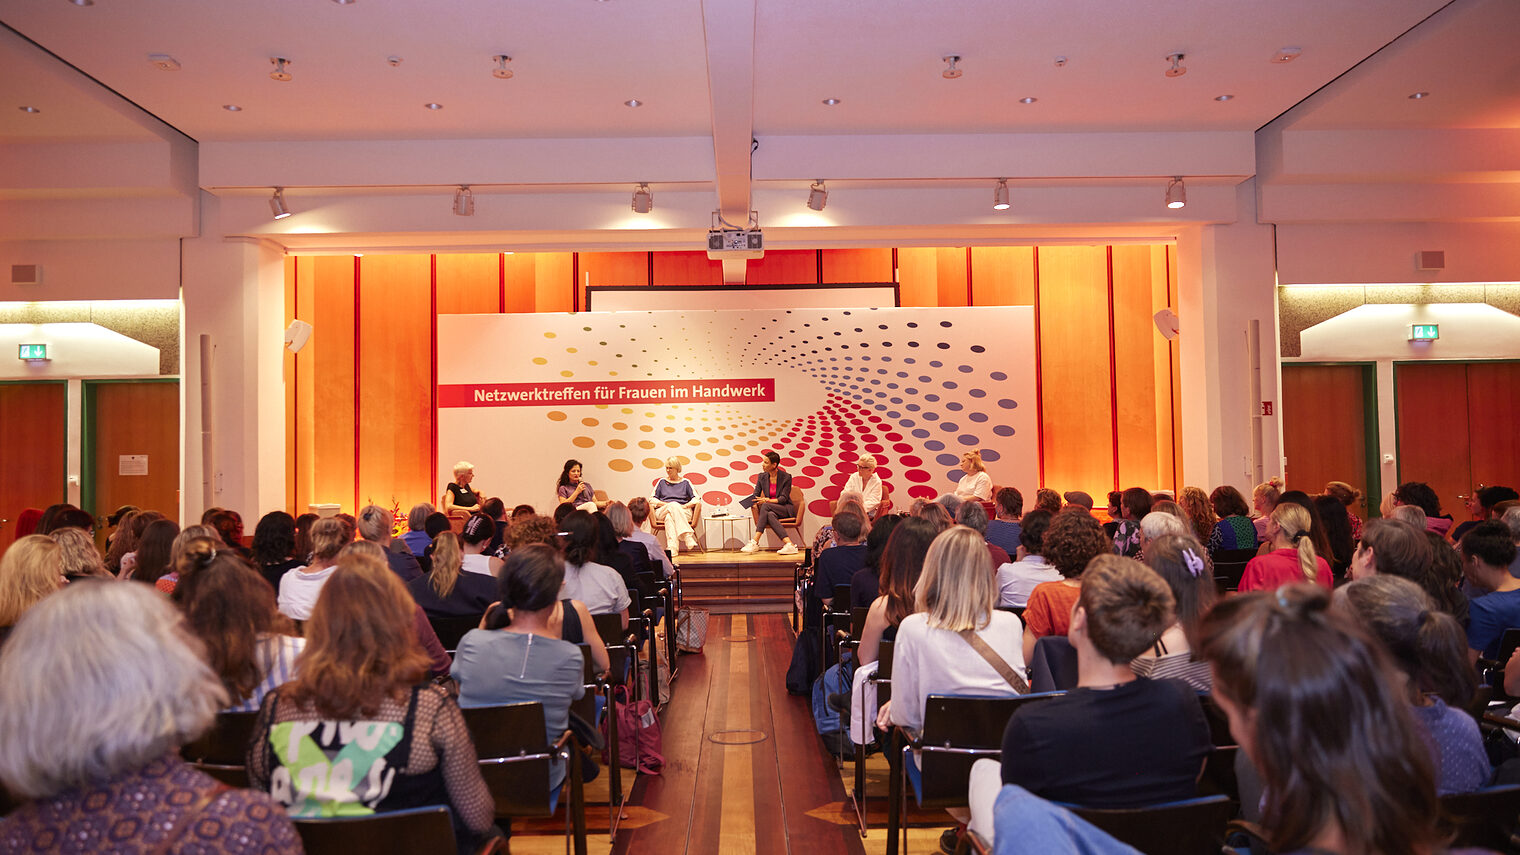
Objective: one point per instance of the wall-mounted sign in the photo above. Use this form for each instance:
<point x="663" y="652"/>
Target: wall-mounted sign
<point x="1424" y="332"/>
<point x="132" y="464"/>
<point x="33" y="352"/>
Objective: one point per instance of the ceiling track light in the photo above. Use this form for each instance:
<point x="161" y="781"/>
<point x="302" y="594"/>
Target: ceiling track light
<point x="464" y="201"/>
<point x="1177" y="70"/>
<point x="501" y="72"/>
<point x="951" y="72"/>
<point x="1176" y="193"/>
<point x="643" y="200"/>
<point x="818" y="195"/>
<point x="279" y="73"/>
<point x="277" y="204"/>
<point x="1000" y="195"/>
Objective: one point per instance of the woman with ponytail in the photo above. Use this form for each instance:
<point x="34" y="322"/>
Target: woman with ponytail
<point x="1429" y="650"/>
<point x="1292" y="558"/>
<point x="518" y="655"/>
<point x="445" y="591"/>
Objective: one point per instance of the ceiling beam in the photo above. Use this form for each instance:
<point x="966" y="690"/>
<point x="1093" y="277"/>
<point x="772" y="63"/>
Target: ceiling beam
<point x="729" y="26"/>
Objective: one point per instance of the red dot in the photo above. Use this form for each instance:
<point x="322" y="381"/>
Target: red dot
<point x="838" y="478"/>
<point x="919" y="491"/>
<point x="803" y="481"/>
<point x="739" y="465"/>
<point x="718" y="472"/>
<point x="847" y="467"/>
<point x="802" y="446"/>
<point x="696" y="478"/>
<point x="910" y="460"/>
<point x="902" y="448"/>
<point x="832" y="492"/>
<point x="917" y="475"/>
<point x="741" y="489"/>
<point x="883" y="472"/>
<point x="894" y="436"/>
<point x="846" y="445"/>
<point x="814" y="471"/>
<point x="874" y="447"/>
<point x="821" y="508"/>
<point x="819" y="461"/>
<point x="713" y="497"/>
<point x="754" y="458"/>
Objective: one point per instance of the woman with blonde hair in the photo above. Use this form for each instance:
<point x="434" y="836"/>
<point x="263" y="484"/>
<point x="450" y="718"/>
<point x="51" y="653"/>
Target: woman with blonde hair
<point x="360" y="711"/>
<point x="459" y="498"/>
<point x="1292" y="558"/>
<point x="445" y="592"/>
<point x="1263" y="500"/>
<point x="78" y="554"/>
<point x="976" y="484"/>
<point x="1200" y="512"/>
<point x="31" y="569"/>
<point x="674" y="503"/>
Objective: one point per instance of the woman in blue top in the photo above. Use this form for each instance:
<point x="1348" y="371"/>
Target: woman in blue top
<point x="675" y="505"/>
<point x="1234" y="529"/>
<point x="572" y="490"/>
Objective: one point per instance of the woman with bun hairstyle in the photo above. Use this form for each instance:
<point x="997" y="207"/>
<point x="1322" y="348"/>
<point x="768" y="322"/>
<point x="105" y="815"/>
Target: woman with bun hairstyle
<point x="1350" y="497"/>
<point x="519" y="657"/>
<point x="1292" y="558"/>
<point x="479" y="530"/>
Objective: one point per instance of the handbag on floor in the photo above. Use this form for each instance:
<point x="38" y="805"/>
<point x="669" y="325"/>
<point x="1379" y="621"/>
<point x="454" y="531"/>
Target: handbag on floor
<point x="691" y="629"/>
<point x="639" y="738"/>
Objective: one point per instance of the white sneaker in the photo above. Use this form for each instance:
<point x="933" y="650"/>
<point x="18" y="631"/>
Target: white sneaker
<point x="752" y="546"/>
<point x="691" y="541"/>
<point x="788" y="549"/>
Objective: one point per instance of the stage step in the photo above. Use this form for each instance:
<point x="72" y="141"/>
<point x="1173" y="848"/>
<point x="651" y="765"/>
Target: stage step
<point x="734" y="582"/>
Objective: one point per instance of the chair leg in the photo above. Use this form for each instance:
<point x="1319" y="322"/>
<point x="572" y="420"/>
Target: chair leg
<point x="576" y="809"/>
<point x="895" y="795"/>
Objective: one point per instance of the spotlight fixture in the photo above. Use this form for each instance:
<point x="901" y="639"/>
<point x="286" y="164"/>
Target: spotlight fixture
<point x="279" y="73"/>
<point x="232" y="108"/>
<point x="1028" y="100"/>
<point x="643" y="200"/>
<point x="1224" y="97"/>
<point x="1287" y="54"/>
<point x="277" y="204"/>
<point x="633" y="102"/>
<point x="433" y="105"/>
<point x="1000" y="195"/>
<point x="831" y="102"/>
<point x="83" y="2"/>
<point x="29" y="109"/>
<point x="501" y="72"/>
<point x="163" y="62"/>
<point x="1419" y="96"/>
<point x="464" y="201"/>
<point x="1176" y="70"/>
<point x="818" y="195"/>
<point x="951" y="72"/>
<point x="1176" y="193"/>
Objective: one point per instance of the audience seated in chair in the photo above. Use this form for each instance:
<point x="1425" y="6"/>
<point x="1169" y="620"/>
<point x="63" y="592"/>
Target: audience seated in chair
<point x="577" y="626"/>
<point x="1487" y="551"/>
<point x="1182" y="563"/>
<point x="30" y="570"/>
<point x="902" y="564"/>
<point x="865" y="585"/>
<point x="1003" y="531"/>
<point x="1072" y="540"/>
<point x="1017" y="579"/>
<point x="1134" y="504"/>
<point x="638" y="510"/>
<point x="273" y="552"/>
<point x="974" y="516"/>
<point x="826" y="538"/>
<point x="416" y="536"/>
<point x="837" y="566"/>
<point x="446" y="592"/>
<point x="1292" y="558"/>
<point x="375" y="524"/>
<point x="1234" y="529"/>
<point x="300" y="587"/>
<point x="593" y="583"/>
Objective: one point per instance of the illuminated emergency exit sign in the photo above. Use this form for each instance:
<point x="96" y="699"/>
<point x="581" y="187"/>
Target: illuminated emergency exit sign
<point x="1424" y="332"/>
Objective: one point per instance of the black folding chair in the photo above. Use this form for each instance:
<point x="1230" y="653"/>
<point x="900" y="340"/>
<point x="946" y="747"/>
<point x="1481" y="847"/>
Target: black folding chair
<point x="1229" y="566"/>
<point x="623" y="655"/>
<point x="1485" y="819"/>
<point x="882" y="681"/>
<point x="1189" y="827"/>
<point x="451" y="629"/>
<point x="222" y="751"/>
<point x="516" y="760"/>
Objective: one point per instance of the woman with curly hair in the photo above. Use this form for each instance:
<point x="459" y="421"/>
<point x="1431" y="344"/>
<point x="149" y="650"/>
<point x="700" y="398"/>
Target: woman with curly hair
<point x="1073" y="539"/>
<point x="1200" y="512"/>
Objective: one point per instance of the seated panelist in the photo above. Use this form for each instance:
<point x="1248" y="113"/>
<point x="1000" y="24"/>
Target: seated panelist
<point x="571" y="490"/>
<point x="459" y="498"/>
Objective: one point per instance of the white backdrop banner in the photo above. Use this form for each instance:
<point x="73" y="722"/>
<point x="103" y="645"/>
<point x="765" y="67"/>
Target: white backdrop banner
<point x="519" y="394"/>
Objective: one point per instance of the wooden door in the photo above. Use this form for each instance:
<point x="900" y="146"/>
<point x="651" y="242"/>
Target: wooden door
<point x="32" y="450"/>
<point x="1325" y="419"/>
<point x="1493" y="422"/>
<point x="126" y="422"/>
<point x="1433" y="430"/>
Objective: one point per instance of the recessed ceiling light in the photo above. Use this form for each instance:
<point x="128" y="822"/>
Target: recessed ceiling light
<point x="501" y="72"/>
<point x="344" y="2"/>
<point x="832" y="102"/>
<point x="433" y="105"/>
<point x="1418" y="95"/>
<point x="30" y="110"/>
<point x="1029" y="100"/>
<point x="633" y="102"/>
<point x="163" y="62"/>
<point x="1224" y="97"/>
<point x="232" y="108"/>
<point x="83" y="2"/>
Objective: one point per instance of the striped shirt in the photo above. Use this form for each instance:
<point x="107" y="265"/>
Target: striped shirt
<point x="276" y="658"/>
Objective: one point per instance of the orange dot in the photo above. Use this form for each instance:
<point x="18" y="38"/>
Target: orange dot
<point x="619" y="426"/>
<point x="548" y="335"/>
<point x="670" y="443"/>
<point x="589" y="422"/>
<point x="627" y="411"/>
<point x="693" y="442"/>
<point x="570" y="350"/>
<point x="557" y="416"/>
<point x="614" y="374"/>
<point x="583" y="442"/>
<point x="567" y="374"/>
<point x="618" y="464"/>
<point x="702" y="455"/>
<point x="592" y="362"/>
<point x="645" y="444"/>
<point x="722" y="452"/>
<point x="653" y="463"/>
<point x="645" y="428"/>
<point x="670" y="430"/>
<point x="616" y="443"/>
<point x="539" y="360"/>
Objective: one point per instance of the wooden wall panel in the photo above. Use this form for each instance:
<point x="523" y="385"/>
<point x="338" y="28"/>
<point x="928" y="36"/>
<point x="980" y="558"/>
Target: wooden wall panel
<point x="1324" y="426"/>
<point x="1169" y="258"/>
<point x="519" y="282"/>
<point x="613" y="268"/>
<point x="469" y="283"/>
<point x="135" y="417"/>
<point x="325" y="425"/>
<point x="1002" y="275"/>
<point x="395" y="359"/>
<point x="554" y="283"/>
<point x="952" y="275"/>
<point x="1165" y="352"/>
<point x="1076" y="411"/>
<point x="781" y="267"/>
<point x="857" y="265"/>
<point x="1493" y="400"/>
<point x="288" y="373"/>
<point x="32" y="466"/>
<point x="1135" y="360"/>
<point x="1433" y="429"/>
<point x="918" y="276"/>
<point x="687" y="268"/>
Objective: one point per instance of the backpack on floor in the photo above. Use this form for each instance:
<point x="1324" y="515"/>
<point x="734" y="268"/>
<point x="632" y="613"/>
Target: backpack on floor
<point x="807" y="658"/>
<point x="833" y="681"/>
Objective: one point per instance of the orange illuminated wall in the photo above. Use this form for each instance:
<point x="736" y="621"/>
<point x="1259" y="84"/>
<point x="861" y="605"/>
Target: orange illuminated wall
<point x="359" y="399"/>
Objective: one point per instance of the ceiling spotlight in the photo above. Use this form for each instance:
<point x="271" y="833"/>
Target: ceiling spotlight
<point x="1176" y="70"/>
<point x="643" y="200"/>
<point x="1287" y="54"/>
<point x="818" y="195"/>
<point x="501" y="72"/>
<point x="1176" y="193"/>
<point x="277" y="204"/>
<point x="394" y="61"/>
<point x="1224" y="97"/>
<point x="951" y="72"/>
<point x="279" y="73"/>
<point x="1029" y="100"/>
<point x="633" y="102"/>
<point x="1418" y="96"/>
<point x="344" y="2"/>
<point x="831" y="102"/>
<point x="83" y="2"/>
<point x="433" y="105"/>
<point x="1000" y="195"/>
<point x="232" y="108"/>
<point x="464" y="201"/>
<point x="29" y="109"/>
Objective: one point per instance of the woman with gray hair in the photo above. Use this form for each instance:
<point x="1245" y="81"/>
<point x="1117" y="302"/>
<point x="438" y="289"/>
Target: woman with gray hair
<point x="102" y="684"/>
<point x="675" y="505"/>
<point x="459" y="498"/>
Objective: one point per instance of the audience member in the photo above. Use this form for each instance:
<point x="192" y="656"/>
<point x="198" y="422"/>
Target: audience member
<point x="675" y="505"/>
<point x="1420" y="495"/>
<point x="102" y="685"/>
<point x="1158" y="524"/>
<point x="50" y="516"/>
<point x="27" y="522"/>
<point x="375" y="525"/>
<point x="1337" y="532"/>
<point x="1318" y="531"/>
<point x="30" y="569"/>
<point x="1003" y="531"/>
<point x="635" y="552"/>
<point x="192" y="547"/>
<point x="1349" y="497"/>
<point x="1487" y="551"/>
<point x="866" y="483"/>
<point x="360" y="710"/>
<point x="936" y="514"/>
<point x="609" y="553"/>
<point x="521" y="511"/>
<point x="124" y="541"/>
<point x="1016" y="580"/>
<point x="951" y="503"/>
<point x="865" y="585"/>
<point x="1162" y="505"/>
<point x="1078" y="499"/>
<point x="229" y="606"/>
<point x="496" y="510"/>
<point x="445" y="592"/>
<point x="303" y="536"/>
<point x="153" y="551"/>
<point x="1182" y="563"/>
<point x="545" y="669"/>
<point x="1134" y="504"/>
<point x="974" y="516"/>
<point x="1313" y="704"/>
<point x="1511" y="519"/>
<point x="1263" y="501"/>
<point x="1483" y="504"/>
<point x="1046" y="499"/>
<point x="577" y="626"/>
<point x="416" y="537"/>
<point x="1234" y="529"/>
<point x="1292" y="559"/>
<point x="1072" y="540"/>
<point x="72" y="517"/>
<point x="838" y="565"/>
<point x="1395" y="548"/>
<point x="476" y="535"/>
<point x="596" y="585"/>
<point x="273" y="552"/>
<point x="229" y="528"/>
<point x="1411" y="514"/>
<point x="1200" y="512"/>
<point x="79" y="559"/>
<point x="1115" y="499"/>
<point x="299" y="587"/>
<point x="826" y="537"/>
<point x="902" y="564"/>
<point x="638" y="510"/>
<point x="1117" y="740"/>
<point x="1427" y="648"/>
<point x="562" y="510"/>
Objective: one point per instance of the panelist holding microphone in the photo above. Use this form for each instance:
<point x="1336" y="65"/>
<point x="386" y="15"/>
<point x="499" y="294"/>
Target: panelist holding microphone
<point x="571" y="489"/>
<point x="771" y="503"/>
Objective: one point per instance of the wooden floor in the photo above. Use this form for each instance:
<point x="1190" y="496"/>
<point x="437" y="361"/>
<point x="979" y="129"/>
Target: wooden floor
<point x="745" y="770"/>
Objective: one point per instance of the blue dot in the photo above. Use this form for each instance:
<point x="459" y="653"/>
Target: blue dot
<point x="1007" y="404"/>
<point x="912" y="408"/>
<point x="907" y="423"/>
<point x="964" y="369"/>
<point x="880" y="408"/>
<point x="933" y="417"/>
<point x="908" y="360"/>
<point x="920" y="433"/>
<point x="944" y="345"/>
<point x="923" y="379"/>
<point x="893" y="386"/>
<point x="893" y="414"/>
<point x="936" y="364"/>
<point x="950" y="384"/>
<point x="998" y="375"/>
<point x="932" y="398"/>
<point x="979" y="417"/>
<point x="968" y="439"/>
<point x="977" y="393"/>
<point x="955" y="406"/>
<point x="949" y="427"/>
<point x="897" y="401"/>
<point x="947" y="460"/>
<point x="1003" y="430"/>
<point x="934" y="445"/>
<point x="989" y="455"/>
<point x="976" y="348"/>
<point x="944" y="323"/>
<point x="912" y="325"/>
<point x="913" y="344"/>
<point x="956" y="474"/>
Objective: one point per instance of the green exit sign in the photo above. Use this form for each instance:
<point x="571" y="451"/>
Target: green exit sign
<point x="1424" y="332"/>
<point x="34" y="351"/>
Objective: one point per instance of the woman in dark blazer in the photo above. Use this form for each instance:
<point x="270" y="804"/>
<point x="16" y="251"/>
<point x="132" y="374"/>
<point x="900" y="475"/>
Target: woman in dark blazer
<point x="772" y="503"/>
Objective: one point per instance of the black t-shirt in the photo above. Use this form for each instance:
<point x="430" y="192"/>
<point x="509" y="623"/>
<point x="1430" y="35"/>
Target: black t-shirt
<point x="865" y="587"/>
<point x="1138" y="744"/>
<point x="836" y="566"/>
<point x="464" y="497"/>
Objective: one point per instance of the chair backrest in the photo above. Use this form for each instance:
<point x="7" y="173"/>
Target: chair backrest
<point x="858" y="616"/>
<point x="1230" y="565"/>
<point x="1192" y="827"/>
<point x="398" y="832"/>
<point x="451" y="629"/>
<point x="1053" y="665"/>
<point x="1219" y="723"/>
<point x="884" y="660"/>
<point x="959" y="730"/>
<point x="610" y="628"/>
<point x="514" y="756"/>
<point x="221" y="752"/>
<point x="841" y="596"/>
<point x="1483" y="819"/>
<point x="800" y="503"/>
